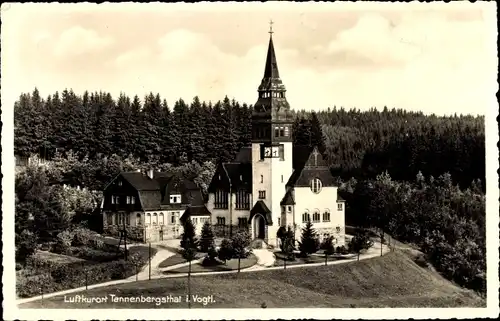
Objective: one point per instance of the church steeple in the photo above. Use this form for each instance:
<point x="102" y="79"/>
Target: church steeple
<point x="271" y="70"/>
<point x="272" y="107"/>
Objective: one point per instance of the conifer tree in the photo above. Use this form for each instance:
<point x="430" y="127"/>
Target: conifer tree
<point x="309" y="242"/>
<point x="207" y="237"/>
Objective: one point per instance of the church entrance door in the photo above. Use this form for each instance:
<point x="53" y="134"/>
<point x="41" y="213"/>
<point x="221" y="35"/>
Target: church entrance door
<point x="260" y="227"/>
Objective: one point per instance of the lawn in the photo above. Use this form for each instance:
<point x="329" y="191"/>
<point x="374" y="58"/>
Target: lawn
<point x="393" y="280"/>
<point x="316" y="258"/>
<point x="230" y="265"/>
<point x="177" y="259"/>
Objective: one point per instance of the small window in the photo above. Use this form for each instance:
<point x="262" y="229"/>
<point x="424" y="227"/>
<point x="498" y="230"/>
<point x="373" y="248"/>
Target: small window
<point x="161" y="219"/>
<point x="262" y="178"/>
<point x="306" y="217"/>
<point x="276" y="132"/>
<point x="339" y="206"/>
<point x="338" y="229"/>
<point x="326" y="216"/>
<point x="119" y="183"/>
<point x="282" y="131"/>
<point x="128" y="199"/>
<point x="242" y="222"/>
<point x="155" y="219"/>
<point x="316" y="185"/>
<point x="172" y="218"/>
<point x="289" y="208"/>
<point x="279" y="221"/>
<point x="282" y="178"/>
<point x="132" y="199"/>
<point x="148" y="219"/>
<point x="138" y="219"/>
<point x="262" y="195"/>
<point x="286" y="131"/>
<point x="113" y="199"/>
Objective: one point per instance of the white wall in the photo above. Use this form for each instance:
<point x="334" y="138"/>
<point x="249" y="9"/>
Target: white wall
<point x="305" y="199"/>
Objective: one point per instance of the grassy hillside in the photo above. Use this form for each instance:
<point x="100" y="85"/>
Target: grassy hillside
<point x="393" y="280"/>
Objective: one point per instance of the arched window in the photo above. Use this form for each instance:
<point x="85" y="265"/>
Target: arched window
<point x="161" y="220"/>
<point x="316" y="216"/>
<point x="306" y="217"/>
<point x="138" y="220"/>
<point x="155" y="219"/>
<point x="316" y="185"/>
<point x="148" y="219"/>
<point x="326" y="215"/>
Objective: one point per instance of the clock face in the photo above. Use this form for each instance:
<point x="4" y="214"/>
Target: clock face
<point x="271" y="152"/>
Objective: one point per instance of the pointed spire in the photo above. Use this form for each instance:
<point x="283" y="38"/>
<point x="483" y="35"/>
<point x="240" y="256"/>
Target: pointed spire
<point x="271" y="70"/>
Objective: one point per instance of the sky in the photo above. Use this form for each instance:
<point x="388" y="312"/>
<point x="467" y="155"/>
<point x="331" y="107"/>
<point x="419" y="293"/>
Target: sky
<point x="435" y="58"/>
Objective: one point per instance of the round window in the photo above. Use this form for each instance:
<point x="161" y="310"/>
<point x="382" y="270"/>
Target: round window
<point x="316" y="185"/>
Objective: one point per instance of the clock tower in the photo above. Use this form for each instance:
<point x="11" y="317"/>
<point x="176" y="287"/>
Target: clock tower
<point x="272" y="143"/>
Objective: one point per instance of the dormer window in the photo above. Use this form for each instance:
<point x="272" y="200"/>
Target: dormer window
<point x="175" y="199"/>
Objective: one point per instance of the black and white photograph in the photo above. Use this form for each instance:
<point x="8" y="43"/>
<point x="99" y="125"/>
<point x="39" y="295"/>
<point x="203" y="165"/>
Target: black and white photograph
<point x="258" y="159"/>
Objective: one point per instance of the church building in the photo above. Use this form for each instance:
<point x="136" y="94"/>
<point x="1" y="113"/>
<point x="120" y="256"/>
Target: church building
<point x="273" y="183"/>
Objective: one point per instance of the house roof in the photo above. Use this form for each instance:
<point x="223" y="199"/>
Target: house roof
<point x="140" y="181"/>
<point x="196" y="211"/>
<point x="154" y="194"/>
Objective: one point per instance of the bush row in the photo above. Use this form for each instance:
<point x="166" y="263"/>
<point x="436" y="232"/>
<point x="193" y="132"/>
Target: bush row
<point x="58" y="277"/>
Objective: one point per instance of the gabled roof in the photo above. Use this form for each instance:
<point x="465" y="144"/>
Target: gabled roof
<point x="288" y="198"/>
<point x="261" y="208"/>
<point x="154" y="193"/>
<point x="309" y="165"/>
<point x="238" y="175"/>
<point x="140" y="181"/>
<point x="195" y="211"/>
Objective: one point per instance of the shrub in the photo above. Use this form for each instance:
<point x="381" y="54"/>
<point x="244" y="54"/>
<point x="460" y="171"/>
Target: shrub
<point x="359" y="243"/>
<point x="63" y="243"/>
<point x="83" y="236"/>
<point x="421" y="261"/>
<point x="26" y="244"/>
<point x="225" y="250"/>
<point x="341" y="250"/>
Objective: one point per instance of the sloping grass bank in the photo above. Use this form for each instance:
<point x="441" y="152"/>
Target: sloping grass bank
<point x="393" y="280"/>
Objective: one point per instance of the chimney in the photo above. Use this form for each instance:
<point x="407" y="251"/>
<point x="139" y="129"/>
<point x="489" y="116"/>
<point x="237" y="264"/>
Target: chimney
<point x="150" y="173"/>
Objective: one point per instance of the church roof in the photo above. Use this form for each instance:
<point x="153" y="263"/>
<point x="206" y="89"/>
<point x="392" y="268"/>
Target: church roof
<point x="288" y="198"/>
<point x="271" y="69"/>
<point x="310" y="165"/>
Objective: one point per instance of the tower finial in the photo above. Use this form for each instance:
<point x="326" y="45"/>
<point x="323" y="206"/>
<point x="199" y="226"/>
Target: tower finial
<point x="271" y="27"/>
